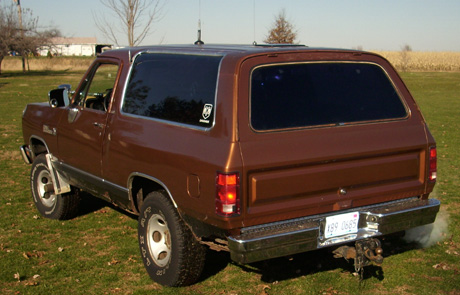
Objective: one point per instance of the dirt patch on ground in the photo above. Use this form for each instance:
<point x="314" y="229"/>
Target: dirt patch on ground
<point x="10" y="156"/>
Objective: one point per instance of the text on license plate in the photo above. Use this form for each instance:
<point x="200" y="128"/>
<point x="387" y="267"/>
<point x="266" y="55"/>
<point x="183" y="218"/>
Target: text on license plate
<point x="342" y="224"/>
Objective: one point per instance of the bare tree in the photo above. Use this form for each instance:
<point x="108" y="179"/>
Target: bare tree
<point x="135" y="19"/>
<point x="8" y="31"/>
<point x="282" y="31"/>
<point x="23" y="36"/>
<point x="405" y="57"/>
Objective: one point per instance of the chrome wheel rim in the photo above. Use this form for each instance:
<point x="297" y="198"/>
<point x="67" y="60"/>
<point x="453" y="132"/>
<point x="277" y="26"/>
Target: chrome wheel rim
<point x="47" y="199"/>
<point x="159" y="240"/>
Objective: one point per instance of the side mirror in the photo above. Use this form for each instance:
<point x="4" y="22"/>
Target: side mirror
<point x="59" y="97"/>
<point x="65" y="86"/>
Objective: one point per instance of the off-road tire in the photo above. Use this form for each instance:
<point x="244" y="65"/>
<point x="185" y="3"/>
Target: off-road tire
<point x="170" y="252"/>
<point x="50" y="205"/>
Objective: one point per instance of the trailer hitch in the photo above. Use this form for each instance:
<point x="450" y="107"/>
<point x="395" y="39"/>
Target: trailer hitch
<point x="364" y="253"/>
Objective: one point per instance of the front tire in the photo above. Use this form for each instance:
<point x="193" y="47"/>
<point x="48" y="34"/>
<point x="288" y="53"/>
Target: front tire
<point x="171" y="254"/>
<point x="48" y="203"/>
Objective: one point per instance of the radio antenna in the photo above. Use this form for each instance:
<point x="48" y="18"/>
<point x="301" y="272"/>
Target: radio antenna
<point x="199" y="41"/>
<point x="254" y="20"/>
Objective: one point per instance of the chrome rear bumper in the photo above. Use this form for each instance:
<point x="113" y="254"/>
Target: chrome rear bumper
<point x="305" y="234"/>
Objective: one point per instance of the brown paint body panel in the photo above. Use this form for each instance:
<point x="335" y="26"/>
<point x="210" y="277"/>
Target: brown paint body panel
<point x="284" y="174"/>
<point x="294" y="173"/>
<point x="326" y="179"/>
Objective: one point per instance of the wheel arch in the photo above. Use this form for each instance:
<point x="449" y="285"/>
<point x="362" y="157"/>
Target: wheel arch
<point x="37" y="146"/>
<point x="140" y="185"/>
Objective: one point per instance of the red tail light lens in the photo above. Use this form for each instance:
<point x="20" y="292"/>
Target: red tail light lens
<point x="227" y="194"/>
<point x="433" y="165"/>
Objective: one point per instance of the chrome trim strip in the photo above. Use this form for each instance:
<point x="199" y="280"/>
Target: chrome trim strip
<point x="305" y="234"/>
<point x="159" y="182"/>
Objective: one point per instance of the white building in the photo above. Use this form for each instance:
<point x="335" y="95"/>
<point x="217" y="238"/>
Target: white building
<point x="75" y="47"/>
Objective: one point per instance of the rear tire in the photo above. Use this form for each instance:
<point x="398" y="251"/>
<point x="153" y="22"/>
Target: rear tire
<point x="50" y="205"/>
<point x="171" y="254"/>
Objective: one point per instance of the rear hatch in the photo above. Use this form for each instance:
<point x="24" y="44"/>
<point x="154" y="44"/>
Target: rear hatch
<point x="324" y="132"/>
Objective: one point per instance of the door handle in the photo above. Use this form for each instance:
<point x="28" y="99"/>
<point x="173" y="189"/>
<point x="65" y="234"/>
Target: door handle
<point x="98" y="125"/>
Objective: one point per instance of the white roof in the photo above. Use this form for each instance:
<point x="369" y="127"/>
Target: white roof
<point x="74" y="40"/>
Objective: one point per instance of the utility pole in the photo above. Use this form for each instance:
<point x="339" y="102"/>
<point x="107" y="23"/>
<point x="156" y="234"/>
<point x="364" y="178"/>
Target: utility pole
<point x="18" y="2"/>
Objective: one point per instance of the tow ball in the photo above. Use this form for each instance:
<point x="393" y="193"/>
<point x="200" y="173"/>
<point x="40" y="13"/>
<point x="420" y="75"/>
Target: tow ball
<point x="364" y="253"/>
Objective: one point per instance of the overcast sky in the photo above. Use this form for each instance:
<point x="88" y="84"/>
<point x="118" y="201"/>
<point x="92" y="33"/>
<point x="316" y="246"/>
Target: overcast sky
<point x="425" y="25"/>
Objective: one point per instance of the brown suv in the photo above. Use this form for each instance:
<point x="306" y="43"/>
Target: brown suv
<point x="262" y="151"/>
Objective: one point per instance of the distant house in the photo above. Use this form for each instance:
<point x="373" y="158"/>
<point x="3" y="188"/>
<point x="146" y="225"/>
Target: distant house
<point x="74" y="47"/>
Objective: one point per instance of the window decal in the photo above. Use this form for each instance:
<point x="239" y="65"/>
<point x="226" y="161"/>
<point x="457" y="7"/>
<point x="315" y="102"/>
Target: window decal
<point x="207" y="110"/>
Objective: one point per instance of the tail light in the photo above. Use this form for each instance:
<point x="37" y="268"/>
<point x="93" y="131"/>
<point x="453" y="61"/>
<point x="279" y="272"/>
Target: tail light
<point x="227" y="194"/>
<point x="433" y="165"/>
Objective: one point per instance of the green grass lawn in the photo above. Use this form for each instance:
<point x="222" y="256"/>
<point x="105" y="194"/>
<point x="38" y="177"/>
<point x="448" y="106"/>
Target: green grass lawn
<point x="97" y="252"/>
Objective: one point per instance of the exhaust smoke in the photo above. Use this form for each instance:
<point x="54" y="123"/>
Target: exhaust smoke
<point x="430" y="234"/>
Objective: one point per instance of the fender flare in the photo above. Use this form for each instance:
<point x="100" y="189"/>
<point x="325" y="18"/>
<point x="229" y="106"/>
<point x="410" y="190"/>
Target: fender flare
<point x="134" y="175"/>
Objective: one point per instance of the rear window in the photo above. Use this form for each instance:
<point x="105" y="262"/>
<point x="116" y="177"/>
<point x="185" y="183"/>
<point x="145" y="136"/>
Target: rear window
<point x="175" y="87"/>
<point x="311" y="94"/>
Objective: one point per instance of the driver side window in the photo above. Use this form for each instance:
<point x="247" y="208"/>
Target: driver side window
<point x="96" y="92"/>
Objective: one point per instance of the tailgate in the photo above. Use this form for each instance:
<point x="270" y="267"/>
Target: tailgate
<point x="332" y="169"/>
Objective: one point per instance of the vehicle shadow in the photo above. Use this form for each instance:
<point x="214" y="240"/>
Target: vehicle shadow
<point x="283" y="268"/>
<point x="303" y="264"/>
<point x="90" y="204"/>
<point x="215" y="263"/>
<point x="308" y="263"/>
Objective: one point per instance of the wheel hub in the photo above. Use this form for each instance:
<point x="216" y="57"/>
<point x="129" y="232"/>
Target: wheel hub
<point x="45" y="189"/>
<point x="159" y="240"/>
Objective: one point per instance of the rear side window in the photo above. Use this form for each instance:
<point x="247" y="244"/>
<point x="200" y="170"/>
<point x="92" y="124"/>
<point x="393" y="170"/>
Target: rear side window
<point x="173" y="87"/>
<point x="311" y="94"/>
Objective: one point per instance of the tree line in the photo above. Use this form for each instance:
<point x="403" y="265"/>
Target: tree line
<point x="20" y="33"/>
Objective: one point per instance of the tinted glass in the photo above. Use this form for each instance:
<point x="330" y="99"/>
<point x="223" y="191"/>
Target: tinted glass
<point x="179" y="88"/>
<point x="301" y="95"/>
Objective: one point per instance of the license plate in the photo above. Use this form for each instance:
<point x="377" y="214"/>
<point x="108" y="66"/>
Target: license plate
<point x="342" y="224"/>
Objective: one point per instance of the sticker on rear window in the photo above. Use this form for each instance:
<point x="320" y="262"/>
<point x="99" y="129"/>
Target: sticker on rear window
<point x="207" y="110"/>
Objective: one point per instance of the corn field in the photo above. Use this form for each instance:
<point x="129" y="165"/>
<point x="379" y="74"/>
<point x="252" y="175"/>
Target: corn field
<point x="415" y="61"/>
<point x="403" y="61"/>
<point x="70" y="63"/>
